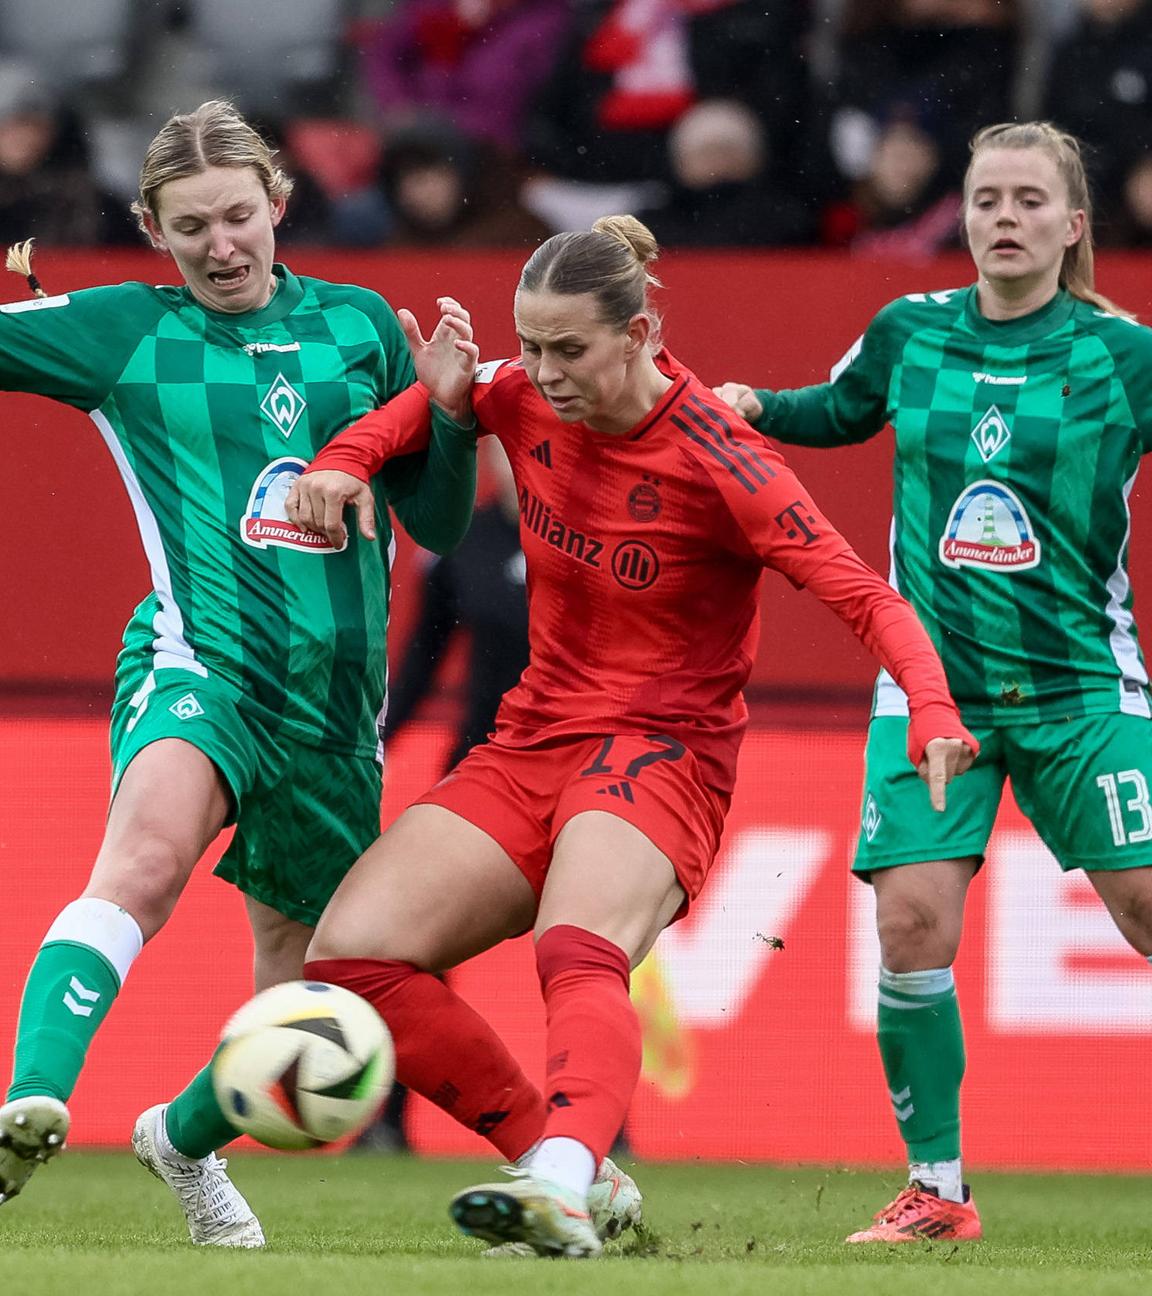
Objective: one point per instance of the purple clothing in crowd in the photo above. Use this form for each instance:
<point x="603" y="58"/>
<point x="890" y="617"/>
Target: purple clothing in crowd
<point x="482" y="78"/>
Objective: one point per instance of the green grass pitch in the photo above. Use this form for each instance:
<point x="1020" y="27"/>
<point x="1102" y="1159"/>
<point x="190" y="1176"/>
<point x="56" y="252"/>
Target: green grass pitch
<point x="95" y="1224"/>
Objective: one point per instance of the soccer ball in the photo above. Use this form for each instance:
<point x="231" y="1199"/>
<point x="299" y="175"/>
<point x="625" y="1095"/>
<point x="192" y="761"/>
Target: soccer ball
<point x="302" y="1064"/>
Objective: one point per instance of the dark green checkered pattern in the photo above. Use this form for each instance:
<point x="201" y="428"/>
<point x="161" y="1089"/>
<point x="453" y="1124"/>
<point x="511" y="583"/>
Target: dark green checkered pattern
<point x="177" y="393"/>
<point x="1051" y="412"/>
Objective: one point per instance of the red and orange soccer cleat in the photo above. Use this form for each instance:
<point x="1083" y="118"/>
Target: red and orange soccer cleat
<point x="919" y="1214"/>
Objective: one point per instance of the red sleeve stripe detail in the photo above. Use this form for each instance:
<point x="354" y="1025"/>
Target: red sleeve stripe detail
<point x="748" y="472"/>
<point x="745" y="453"/>
<point x="717" y="454"/>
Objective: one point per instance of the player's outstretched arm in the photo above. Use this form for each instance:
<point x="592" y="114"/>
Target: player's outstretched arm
<point x="401" y="427"/>
<point x="782" y="524"/>
<point x="851" y="407"/>
<point x="433" y="494"/>
<point x="939" y="745"/>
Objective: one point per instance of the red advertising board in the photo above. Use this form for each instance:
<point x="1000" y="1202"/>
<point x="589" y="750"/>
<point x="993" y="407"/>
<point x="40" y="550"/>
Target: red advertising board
<point x="73" y="565"/>
<point x="752" y="1051"/>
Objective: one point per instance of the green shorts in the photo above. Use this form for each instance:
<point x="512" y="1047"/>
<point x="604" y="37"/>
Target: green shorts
<point x="303" y="815"/>
<point x="1083" y="783"/>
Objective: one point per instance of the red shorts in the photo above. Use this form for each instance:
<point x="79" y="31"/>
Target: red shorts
<point x="523" y="796"/>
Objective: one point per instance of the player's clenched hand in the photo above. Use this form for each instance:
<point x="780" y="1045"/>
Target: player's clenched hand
<point x="318" y="500"/>
<point x="742" y="399"/>
<point x="445" y="362"/>
<point x="944" y="758"/>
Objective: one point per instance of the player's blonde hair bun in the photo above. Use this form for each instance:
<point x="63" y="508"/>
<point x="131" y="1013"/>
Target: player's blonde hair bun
<point x="635" y="234"/>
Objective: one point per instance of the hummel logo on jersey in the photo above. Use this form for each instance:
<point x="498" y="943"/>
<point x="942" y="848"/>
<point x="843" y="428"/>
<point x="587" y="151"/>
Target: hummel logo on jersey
<point x="621" y="790"/>
<point x="262" y="348"/>
<point x="1000" y="380"/>
<point x="283" y="405"/>
<point x="991" y="434"/>
<point x="187" y="707"/>
<point x="542" y="453"/>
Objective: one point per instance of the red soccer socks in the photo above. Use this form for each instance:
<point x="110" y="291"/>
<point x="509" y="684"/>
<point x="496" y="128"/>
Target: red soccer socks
<point x="445" y="1050"/>
<point x="594" y="1041"/>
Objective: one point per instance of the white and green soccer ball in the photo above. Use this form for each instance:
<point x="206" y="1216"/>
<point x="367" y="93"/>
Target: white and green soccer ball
<point x="303" y="1064"/>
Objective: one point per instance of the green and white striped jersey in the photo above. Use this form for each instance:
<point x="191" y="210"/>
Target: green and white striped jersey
<point x="1017" y="445"/>
<point x="210" y="419"/>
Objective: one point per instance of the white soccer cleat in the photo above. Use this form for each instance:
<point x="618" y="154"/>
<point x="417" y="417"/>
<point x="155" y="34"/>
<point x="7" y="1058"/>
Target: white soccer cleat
<point x="32" y="1130"/>
<point x="217" y="1214"/>
<point x="614" y="1205"/>
<point x="614" y="1201"/>
<point x="552" y="1220"/>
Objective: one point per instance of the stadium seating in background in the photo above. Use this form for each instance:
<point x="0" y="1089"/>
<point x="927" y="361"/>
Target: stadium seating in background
<point x="47" y="189"/>
<point x="906" y="206"/>
<point x="272" y="60"/>
<point x="76" y="43"/>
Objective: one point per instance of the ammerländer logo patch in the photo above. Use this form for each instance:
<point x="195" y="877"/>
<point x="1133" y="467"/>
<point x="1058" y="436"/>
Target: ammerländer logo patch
<point x="989" y="528"/>
<point x="265" y="522"/>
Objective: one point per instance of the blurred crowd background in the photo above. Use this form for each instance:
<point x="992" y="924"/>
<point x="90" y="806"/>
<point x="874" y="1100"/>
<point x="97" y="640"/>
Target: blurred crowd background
<point x="492" y="123"/>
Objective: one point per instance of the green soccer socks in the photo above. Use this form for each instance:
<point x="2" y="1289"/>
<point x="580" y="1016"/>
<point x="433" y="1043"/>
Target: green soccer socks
<point x="922" y="1047"/>
<point x="73" y="980"/>
<point x="194" y="1121"/>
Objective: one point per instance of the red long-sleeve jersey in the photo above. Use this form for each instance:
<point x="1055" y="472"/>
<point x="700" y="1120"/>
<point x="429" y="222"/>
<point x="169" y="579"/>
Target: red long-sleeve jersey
<point x="644" y="556"/>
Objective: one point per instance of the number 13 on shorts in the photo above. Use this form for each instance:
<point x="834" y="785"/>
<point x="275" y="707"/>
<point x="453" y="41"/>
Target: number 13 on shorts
<point x="1129" y="810"/>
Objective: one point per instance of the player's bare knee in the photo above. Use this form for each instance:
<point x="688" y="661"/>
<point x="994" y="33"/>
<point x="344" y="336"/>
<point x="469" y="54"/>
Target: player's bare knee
<point x="914" y="936"/>
<point x="145" y="877"/>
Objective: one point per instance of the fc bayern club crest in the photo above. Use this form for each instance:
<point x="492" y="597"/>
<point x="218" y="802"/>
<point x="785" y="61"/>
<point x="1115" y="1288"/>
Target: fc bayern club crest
<point x="644" y="502"/>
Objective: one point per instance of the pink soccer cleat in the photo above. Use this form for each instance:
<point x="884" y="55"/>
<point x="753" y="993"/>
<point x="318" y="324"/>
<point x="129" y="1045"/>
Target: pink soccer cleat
<point x="919" y="1214"/>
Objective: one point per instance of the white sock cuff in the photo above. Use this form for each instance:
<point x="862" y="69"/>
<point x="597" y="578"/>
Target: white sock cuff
<point x="930" y="982"/>
<point x="103" y="927"/>
<point x="565" y="1161"/>
<point x="944" y="1176"/>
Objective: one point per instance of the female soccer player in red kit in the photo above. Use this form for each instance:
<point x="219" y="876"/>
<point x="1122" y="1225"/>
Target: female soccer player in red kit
<point x="648" y="514"/>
